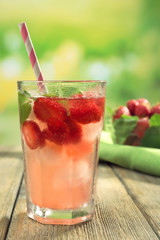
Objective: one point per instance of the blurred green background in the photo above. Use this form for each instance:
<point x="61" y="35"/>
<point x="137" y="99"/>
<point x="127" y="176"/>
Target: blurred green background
<point x="112" y="40"/>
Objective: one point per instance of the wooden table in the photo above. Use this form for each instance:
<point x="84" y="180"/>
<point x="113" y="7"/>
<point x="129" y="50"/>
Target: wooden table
<point x="128" y="205"/>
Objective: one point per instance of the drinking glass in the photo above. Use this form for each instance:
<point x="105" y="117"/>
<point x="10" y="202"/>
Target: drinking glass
<point x="61" y="124"/>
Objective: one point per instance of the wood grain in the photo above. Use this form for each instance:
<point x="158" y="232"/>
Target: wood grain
<point x="145" y="191"/>
<point x="11" y="170"/>
<point x="116" y="217"/>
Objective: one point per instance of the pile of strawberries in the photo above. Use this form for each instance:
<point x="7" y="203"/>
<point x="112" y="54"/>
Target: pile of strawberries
<point x="63" y="123"/>
<point x="141" y="108"/>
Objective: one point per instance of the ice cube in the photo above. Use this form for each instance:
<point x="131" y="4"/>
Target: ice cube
<point x="92" y="130"/>
<point x="81" y="170"/>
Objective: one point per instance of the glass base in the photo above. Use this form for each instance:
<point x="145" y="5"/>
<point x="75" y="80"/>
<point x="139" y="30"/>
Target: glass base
<point x="60" y="217"/>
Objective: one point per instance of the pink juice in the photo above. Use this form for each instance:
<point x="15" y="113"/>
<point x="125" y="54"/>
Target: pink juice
<point x="60" y="141"/>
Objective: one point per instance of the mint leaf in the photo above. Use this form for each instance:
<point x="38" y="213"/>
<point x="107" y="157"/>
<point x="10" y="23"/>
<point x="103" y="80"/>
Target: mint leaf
<point x="124" y="127"/>
<point x="27" y="94"/>
<point x="24" y="106"/>
<point x="155" y="120"/>
<point x="130" y="118"/>
<point x="68" y="89"/>
<point x="58" y="90"/>
<point x="151" y="137"/>
<point x="24" y="112"/>
<point x="21" y="98"/>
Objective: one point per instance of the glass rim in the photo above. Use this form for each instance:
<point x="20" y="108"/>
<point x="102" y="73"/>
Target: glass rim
<point x="63" y="81"/>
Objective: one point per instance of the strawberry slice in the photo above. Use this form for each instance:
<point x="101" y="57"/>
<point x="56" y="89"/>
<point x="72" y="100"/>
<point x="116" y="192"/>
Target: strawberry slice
<point x="32" y="134"/>
<point x="75" y="131"/>
<point x="84" y="111"/>
<point x="46" y="108"/>
<point x="58" y="131"/>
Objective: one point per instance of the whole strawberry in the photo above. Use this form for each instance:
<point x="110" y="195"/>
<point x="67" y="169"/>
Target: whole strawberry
<point x="155" y="109"/>
<point x="141" y="127"/>
<point x="85" y="112"/>
<point x="122" y="110"/>
<point x="143" y="108"/>
<point x="46" y="108"/>
<point x="131" y="104"/>
<point x="58" y="131"/>
<point x="144" y="101"/>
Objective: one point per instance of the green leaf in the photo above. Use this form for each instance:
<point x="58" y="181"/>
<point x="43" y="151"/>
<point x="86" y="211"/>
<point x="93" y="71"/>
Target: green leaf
<point x="21" y="98"/>
<point x="58" y="90"/>
<point x="155" y="120"/>
<point x="27" y="94"/>
<point x="130" y="118"/>
<point x="68" y="89"/>
<point x="151" y="137"/>
<point x="25" y="110"/>
<point x="109" y="109"/>
<point x="24" y="106"/>
<point x="124" y="127"/>
<point x="108" y="127"/>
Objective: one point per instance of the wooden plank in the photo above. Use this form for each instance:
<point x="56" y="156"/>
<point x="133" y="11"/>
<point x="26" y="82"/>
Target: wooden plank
<point x="145" y="191"/>
<point x="116" y="217"/>
<point x="11" y="170"/>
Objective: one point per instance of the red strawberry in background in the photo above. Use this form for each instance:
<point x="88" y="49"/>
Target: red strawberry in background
<point x="141" y="127"/>
<point x="142" y="111"/>
<point x="32" y="134"/>
<point x="85" y="111"/>
<point x="143" y="108"/>
<point x="136" y="142"/>
<point x="58" y="131"/>
<point x="155" y="109"/>
<point x="144" y="101"/>
<point x="131" y="104"/>
<point x="122" y="110"/>
<point x="46" y="108"/>
<point x="133" y="140"/>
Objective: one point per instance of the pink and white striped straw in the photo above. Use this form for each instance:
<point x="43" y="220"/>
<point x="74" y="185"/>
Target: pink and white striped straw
<point x="32" y="55"/>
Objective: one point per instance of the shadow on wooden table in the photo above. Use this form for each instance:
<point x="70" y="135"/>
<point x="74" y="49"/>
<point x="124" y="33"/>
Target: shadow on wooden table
<point x="23" y="227"/>
<point x="4" y="222"/>
<point x="135" y="176"/>
<point x="17" y="154"/>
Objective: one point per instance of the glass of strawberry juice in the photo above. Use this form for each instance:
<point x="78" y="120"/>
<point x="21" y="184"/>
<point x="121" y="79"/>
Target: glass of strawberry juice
<point x="61" y="124"/>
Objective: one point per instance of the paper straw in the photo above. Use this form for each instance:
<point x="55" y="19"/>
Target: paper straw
<point x="32" y="55"/>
